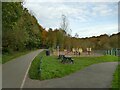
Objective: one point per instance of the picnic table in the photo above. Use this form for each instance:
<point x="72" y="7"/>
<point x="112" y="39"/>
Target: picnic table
<point x="66" y="59"/>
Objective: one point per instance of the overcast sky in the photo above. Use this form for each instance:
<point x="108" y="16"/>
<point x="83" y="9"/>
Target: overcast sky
<point x="85" y="18"/>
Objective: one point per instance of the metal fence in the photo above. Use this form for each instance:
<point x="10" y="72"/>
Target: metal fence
<point x="114" y="51"/>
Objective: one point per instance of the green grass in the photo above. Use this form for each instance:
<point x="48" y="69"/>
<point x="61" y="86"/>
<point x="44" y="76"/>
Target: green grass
<point x="9" y="57"/>
<point x="116" y="78"/>
<point x="52" y="68"/>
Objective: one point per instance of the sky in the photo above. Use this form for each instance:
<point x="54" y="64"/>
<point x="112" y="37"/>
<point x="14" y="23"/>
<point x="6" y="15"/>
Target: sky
<point x="87" y="19"/>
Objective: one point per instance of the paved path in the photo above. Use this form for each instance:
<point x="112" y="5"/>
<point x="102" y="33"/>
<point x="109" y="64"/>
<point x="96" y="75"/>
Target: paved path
<point x="14" y="71"/>
<point x="94" y="76"/>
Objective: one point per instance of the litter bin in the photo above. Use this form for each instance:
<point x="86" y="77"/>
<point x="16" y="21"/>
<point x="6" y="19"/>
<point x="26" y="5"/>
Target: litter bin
<point x="47" y="53"/>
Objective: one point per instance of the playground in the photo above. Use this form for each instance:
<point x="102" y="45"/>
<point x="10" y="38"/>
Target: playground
<point x="88" y="52"/>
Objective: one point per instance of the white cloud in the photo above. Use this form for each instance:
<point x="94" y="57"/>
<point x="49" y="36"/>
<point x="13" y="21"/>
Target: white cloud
<point x="49" y="15"/>
<point x="48" y="12"/>
<point x="98" y="30"/>
<point x="54" y="10"/>
<point x="103" y="10"/>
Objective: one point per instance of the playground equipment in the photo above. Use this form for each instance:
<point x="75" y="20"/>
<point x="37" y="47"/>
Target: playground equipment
<point x="89" y="51"/>
<point x="77" y="51"/>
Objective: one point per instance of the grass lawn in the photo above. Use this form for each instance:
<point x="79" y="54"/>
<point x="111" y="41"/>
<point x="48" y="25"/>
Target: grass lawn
<point x="9" y="57"/>
<point x="116" y="78"/>
<point x="52" y="68"/>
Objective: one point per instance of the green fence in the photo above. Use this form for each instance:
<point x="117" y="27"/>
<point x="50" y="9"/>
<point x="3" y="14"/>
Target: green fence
<point x="114" y="51"/>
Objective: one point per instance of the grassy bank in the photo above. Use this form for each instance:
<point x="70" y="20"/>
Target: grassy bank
<point x="52" y="68"/>
<point x="9" y="57"/>
<point x="116" y="78"/>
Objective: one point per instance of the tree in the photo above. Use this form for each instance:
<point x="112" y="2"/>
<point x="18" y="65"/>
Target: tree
<point x="44" y="38"/>
<point x="64" y="23"/>
<point x="76" y="35"/>
<point x="20" y="30"/>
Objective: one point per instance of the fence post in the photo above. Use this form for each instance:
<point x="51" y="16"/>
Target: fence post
<point x="106" y="52"/>
<point x="117" y="52"/>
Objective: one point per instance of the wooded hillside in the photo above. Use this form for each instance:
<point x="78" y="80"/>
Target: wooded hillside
<point x="20" y="30"/>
